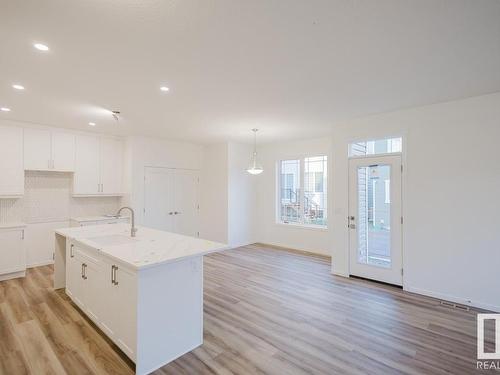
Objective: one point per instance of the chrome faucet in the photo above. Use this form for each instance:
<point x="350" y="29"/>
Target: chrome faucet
<point x="133" y="230"/>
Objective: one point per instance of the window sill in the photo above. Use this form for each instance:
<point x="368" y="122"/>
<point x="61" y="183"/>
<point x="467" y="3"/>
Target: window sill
<point x="303" y="226"/>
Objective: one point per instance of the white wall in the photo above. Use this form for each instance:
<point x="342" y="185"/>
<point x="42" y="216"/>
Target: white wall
<point x="451" y="203"/>
<point x="268" y="231"/>
<point x="242" y="196"/>
<point x="214" y="193"/>
<point x="228" y="199"/>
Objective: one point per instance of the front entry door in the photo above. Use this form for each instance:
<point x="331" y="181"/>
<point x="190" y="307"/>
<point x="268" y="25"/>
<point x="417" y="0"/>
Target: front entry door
<point x="375" y="218"/>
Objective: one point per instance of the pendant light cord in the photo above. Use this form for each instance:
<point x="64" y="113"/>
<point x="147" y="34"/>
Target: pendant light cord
<point x="255" y="141"/>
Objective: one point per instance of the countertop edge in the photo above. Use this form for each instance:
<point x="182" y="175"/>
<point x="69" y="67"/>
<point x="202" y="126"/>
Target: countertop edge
<point x="12" y="225"/>
<point x="141" y="267"/>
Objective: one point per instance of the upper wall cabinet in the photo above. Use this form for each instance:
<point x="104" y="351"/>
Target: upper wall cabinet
<point x="111" y="166"/>
<point x="11" y="162"/>
<point x="98" y="166"/>
<point x="48" y="150"/>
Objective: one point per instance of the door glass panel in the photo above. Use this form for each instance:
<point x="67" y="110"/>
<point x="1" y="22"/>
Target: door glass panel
<point x="374" y="215"/>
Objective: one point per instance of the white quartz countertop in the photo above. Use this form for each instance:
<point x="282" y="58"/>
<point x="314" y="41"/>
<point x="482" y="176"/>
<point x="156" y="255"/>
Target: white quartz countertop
<point x="149" y="248"/>
<point x="81" y="219"/>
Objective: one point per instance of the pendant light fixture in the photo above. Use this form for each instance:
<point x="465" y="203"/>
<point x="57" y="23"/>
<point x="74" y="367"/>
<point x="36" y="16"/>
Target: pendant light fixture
<point x="255" y="167"/>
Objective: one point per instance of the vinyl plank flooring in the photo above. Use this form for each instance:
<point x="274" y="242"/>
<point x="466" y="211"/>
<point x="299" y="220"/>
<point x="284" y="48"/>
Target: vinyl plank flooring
<point x="267" y="311"/>
<point x="41" y="358"/>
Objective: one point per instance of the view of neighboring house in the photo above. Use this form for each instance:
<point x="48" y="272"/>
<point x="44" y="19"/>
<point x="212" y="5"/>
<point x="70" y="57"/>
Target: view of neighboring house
<point x="305" y="205"/>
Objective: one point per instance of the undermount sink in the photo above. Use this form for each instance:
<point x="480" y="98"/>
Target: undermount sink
<point x="112" y="240"/>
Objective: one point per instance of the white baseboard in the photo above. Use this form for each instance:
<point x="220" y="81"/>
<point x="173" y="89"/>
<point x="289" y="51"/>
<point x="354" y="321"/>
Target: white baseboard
<point x="39" y="264"/>
<point x="342" y="274"/>
<point x="451" y="298"/>
<point x="234" y="246"/>
<point x="12" y="275"/>
<point x="296" y="248"/>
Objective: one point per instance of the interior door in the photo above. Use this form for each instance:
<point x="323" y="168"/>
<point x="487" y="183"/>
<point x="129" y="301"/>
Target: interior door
<point x="159" y="198"/>
<point x="186" y="202"/>
<point x="375" y="218"/>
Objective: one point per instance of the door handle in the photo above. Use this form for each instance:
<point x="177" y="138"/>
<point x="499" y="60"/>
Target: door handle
<point x="112" y="274"/>
<point x="177" y="213"/>
<point x="84" y="271"/>
<point x="114" y="281"/>
<point x="351" y="224"/>
<point x="71" y="251"/>
<point x="170" y="213"/>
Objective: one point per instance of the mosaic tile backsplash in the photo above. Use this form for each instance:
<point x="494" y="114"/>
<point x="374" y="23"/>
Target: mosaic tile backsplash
<point x="47" y="198"/>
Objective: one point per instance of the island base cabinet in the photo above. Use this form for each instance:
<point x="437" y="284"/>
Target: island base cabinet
<point x="105" y="292"/>
<point x="154" y="314"/>
<point x="169" y="312"/>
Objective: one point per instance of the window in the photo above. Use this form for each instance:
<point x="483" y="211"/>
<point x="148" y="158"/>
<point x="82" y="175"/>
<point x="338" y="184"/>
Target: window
<point x="306" y="206"/>
<point x="379" y="146"/>
<point x="289" y="191"/>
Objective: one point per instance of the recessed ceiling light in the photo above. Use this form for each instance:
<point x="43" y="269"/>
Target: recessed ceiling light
<point x="41" y="47"/>
<point x="18" y="87"/>
<point x="5" y="109"/>
<point x="164" y="88"/>
<point x="92" y="123"/>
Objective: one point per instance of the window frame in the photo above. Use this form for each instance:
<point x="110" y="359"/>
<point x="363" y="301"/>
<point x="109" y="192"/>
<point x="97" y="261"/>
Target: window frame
<point x="354" y="141"/>
<point x="278" y="187"/>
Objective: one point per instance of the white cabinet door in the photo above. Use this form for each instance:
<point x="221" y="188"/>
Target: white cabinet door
<point x="159" y="198"/>
<point x="109" y="295"/>
<point x="63" y="152"/>
<point x="12" y="253"/>
<point x="74" y="274"/>
<point x="125" y="309"/>
<point x="37" y="144"/>
<point x="11" y="161"/>
<point x="111" y="166"/>
<point x="92" y="285"/>
<point x="86" y="178"/>
<point x="186" y="202"/>
<point x="119" y="319"/>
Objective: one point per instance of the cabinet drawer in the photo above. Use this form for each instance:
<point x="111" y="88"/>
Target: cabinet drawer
<point x="86" y="253"/>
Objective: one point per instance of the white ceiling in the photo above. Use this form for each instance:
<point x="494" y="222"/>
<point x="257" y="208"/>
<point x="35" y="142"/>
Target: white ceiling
<point x="293" y="68"/>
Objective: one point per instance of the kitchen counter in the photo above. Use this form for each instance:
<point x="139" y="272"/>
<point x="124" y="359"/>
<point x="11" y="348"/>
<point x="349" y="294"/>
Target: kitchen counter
<point x="149" y="248"/>
<point x="94" y="218"/>
<point x="145" y="292"/>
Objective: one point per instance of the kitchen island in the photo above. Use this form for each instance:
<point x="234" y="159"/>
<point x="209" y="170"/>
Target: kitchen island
<point x="145" y="292"/>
